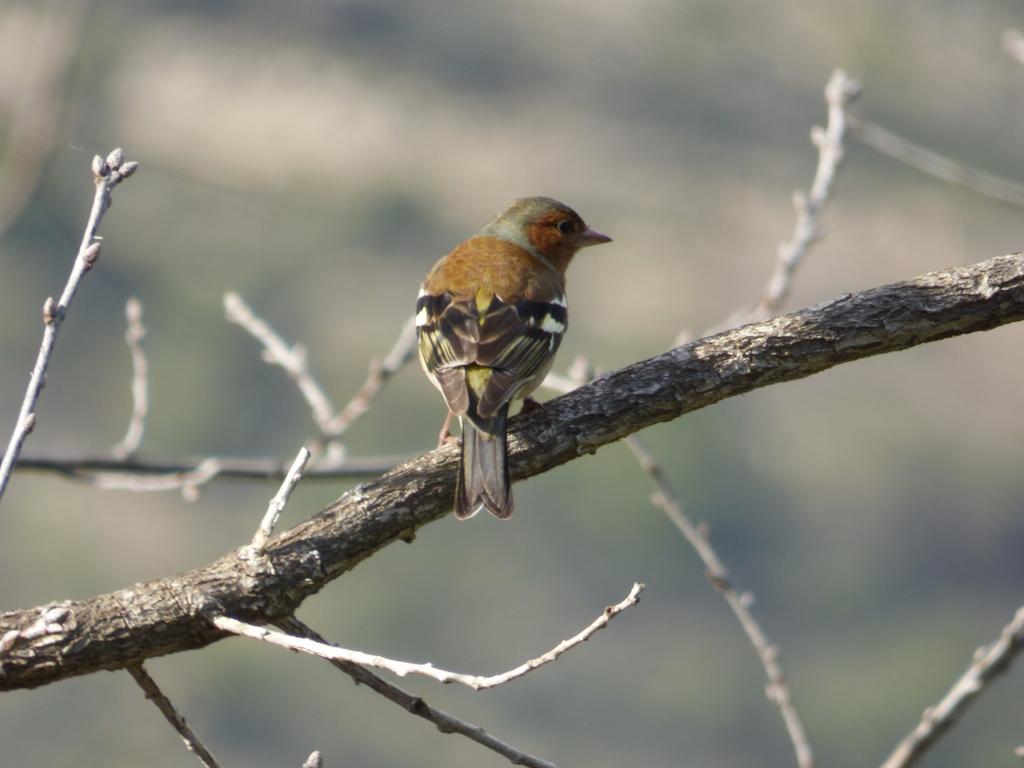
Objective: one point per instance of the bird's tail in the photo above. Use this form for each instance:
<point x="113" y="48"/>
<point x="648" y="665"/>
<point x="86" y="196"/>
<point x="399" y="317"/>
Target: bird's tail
<point x="483" y="477"/>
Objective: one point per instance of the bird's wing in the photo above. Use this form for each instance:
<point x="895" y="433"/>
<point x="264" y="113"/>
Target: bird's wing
<point x="481" y="357"/>
<point x="447" y="341"/>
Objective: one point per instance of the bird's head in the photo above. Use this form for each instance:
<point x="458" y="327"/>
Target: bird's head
<point x="546" y="228"/>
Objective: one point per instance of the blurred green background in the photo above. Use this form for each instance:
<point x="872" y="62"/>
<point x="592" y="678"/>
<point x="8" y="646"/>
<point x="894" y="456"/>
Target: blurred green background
<point x="317" y="157"/>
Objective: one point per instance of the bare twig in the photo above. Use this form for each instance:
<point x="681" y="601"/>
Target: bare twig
<point x="188" y="481"/>
<point x="331" y="424"/>
<point x="839" y="92"/>
<point x="444" y="721"/>
<point x="280" y="499"/>
<point x="989" y="662"/>
<point x="380" y="372"/>
<point x="403" y="668"/>
<point x="107" y="174"/>
<point x="291" y="358"/>
<point x="154" y="694"/>
<point x="776" y="690"/>
<point x="1013" y="44"/>
<point x="122" y="470"/>
<point x="664" y="499"/>
<point x="133" y="336"/>
<point x="885" y="142"/>
<point x="127" y="471"/>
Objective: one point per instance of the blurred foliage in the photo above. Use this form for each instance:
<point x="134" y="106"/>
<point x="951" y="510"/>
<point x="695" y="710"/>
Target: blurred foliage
<point x="317" y="157"/>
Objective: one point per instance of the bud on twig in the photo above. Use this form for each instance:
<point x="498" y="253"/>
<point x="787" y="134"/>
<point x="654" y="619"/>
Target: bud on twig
<point x="115" y="158"/>
<point x="99" y="167"/>
<point x="91" y="254"/>
<point x="49" y="310"/>
<point x="128" y="169"/>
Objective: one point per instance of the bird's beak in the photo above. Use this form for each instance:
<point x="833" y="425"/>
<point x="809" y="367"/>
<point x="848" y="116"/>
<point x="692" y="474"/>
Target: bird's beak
<point x="591" y="237"/>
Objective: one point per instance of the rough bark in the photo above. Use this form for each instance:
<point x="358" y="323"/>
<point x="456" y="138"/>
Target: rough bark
<point x="60" y="640"/>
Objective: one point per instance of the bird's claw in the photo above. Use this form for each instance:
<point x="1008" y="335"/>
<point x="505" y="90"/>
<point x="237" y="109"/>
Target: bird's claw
<point x="447" y="438"/>
<point x="530" y="405"/>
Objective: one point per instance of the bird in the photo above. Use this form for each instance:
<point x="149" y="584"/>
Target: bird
<point x="490" y="316"/>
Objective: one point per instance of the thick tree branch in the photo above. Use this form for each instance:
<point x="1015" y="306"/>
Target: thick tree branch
<point x="112" y="631"/>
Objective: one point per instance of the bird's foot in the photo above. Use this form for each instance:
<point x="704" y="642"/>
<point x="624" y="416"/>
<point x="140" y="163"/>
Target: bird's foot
<point x="445" y="437"/>
<point x="530" y="405"/>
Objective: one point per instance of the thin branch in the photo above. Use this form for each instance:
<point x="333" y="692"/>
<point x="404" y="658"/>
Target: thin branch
<point x="931" y="163"/>
<point x="380" y="372"/>
<point x="989" y="662"/>
<point x="1013" y="44"/>
<point x="839" y="92"/>
<point x="171" y="615"/>
<point x="154" y="694"/>
<point x="776" y="690"/>
<point x="133" y="335"/>
<point x="107" y="174"/>
<point x="292" y="359"/>
<point x="280" y="499"/>
<point x="415" y="705"/>
<point x="403" y="668"/>
<point x="664" y="499"/>
<point x="127" y="472"/>
<point x="188" y="481"/>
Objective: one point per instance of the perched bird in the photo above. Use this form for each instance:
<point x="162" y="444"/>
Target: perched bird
<point x="489" y="318"/>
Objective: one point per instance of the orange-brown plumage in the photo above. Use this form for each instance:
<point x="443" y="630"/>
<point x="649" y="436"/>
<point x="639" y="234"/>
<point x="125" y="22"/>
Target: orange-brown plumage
<point x="490" y="317"/>
<point x="503" y="268"/>
<point x="559" y="248"/>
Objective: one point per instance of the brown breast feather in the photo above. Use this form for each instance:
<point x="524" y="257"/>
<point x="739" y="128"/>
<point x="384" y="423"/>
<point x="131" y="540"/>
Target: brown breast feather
<point x="503" y="268"/>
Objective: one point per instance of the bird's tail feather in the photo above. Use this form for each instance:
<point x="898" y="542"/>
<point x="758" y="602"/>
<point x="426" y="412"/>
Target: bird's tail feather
<point x="483" y="480"/>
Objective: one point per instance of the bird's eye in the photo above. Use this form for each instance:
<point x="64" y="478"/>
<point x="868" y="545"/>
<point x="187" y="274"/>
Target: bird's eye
<point x="566" y="226"/>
